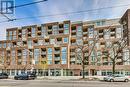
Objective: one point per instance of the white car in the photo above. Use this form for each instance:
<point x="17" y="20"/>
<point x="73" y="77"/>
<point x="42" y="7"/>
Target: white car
<point x="116" y="77"/>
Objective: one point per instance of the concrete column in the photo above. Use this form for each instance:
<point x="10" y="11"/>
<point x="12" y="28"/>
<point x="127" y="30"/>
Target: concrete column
<point x="10" y="72"/>
<point x="61" y="72"/>
<point x="15" y="71"/>
<point x="48" y="72"/>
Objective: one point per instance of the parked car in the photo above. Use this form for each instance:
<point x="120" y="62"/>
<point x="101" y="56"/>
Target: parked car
<point x="116" y="77"/>
<point x="3" y="75"/>
<point x="25" y="76"/>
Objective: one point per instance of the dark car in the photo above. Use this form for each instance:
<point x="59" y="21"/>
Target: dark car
<point x="25" y="76"/>
<point x="3" y="75"/>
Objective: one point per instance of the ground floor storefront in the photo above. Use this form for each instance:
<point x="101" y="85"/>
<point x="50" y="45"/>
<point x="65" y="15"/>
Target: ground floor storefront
<point x="65" y="72"/>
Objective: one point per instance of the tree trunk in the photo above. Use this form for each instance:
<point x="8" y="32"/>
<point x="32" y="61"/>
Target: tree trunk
<point x="113" y="67"/>
<point x="83" y="66"/>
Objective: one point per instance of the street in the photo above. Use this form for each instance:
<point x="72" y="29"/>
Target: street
<point x="58" y="83"/>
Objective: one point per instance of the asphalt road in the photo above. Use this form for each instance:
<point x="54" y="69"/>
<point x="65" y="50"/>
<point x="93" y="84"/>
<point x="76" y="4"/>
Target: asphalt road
<point x="56" y="83"/>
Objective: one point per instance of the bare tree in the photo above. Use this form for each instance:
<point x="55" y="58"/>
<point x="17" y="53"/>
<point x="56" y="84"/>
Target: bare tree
<point x="83" y="52"/>
<point x="114" y="51"/>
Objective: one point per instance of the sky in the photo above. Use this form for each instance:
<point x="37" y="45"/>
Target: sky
<point x="52" y="7"/>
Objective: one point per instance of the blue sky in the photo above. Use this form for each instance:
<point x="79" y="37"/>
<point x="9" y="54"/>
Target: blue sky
<point x="51" y="7"/>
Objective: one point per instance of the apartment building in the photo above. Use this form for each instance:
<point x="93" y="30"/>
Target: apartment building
<point x="56" y="43"/>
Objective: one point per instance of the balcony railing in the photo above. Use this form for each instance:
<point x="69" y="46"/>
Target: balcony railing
<point x="57" y="58"/>
<point x="85" y="32"/>
<point x="43" y="53"/>
<point x="57" y="52"/>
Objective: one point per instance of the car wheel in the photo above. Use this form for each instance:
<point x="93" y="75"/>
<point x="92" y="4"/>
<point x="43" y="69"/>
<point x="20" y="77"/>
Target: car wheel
<point x="126" y="80"/>
<point x="111" y="80"/>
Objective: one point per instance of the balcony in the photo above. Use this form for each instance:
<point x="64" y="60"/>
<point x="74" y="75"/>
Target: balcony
<point x="72" y="53"/>
<point x="73" y="35"/>
<point x="73" y="30"/>
<point x="19" y="54"/>
<point x="73" y="43"/>
<point x="47" y="43"/>
<point x="59" y="42"/>
<point x="85" y="32"/>
<point x="57" y="52"/>
<point x="8" y="48"/>
<point x="72" y="59"/>
<point x="45" y="36"/>
<point x="112" y="32"/>
<point x="24" y="39"/>
<point x="43" y="53"/>
<point x="61" y="29"/>
<point x="100" y="33"/>
<point x="30" y="47"/>
<point x="56" y="58"/>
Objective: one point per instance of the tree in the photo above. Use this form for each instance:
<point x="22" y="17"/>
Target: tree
<point x="83" y="53"/>
<point x="114" y="51"/>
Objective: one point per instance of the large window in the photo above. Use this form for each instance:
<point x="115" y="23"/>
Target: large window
<point x="13" y="57"/>
<point x="79" y="31"/>
<point x="91" y="32"/>
<point x="55" y="27"/>
<point x="25" y="55"/>
<point x="118" y="32"/>
<point x="49" y="50"/>
<point x="49" y="56"/>
<point x="0" y="45"/>
<point x="36" y="55"/>
<point x="33" y="31"/>
<point x="106" y="34"/>
<point x="100" y="23"/>
<point x="126" y="55"/>
<point x="66" y="40"/>
<point x="52" y="41"/>
<point x="30" y="43"/>
<point x="66" y="28"/>
<point x="64" y="55"/>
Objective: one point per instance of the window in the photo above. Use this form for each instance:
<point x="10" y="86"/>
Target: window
<point x="49" y="57"/>
<point x="33" y="31"/>
<point x="36" y="55"/>
<point x="100" y="23"/>
<point x="66" y="31"/>
<point x="64" y="55"/>
<point x="14" y="33"/>
<point x="79" y="31"/>
<point x="40" y="42"/>
<point x="118" y="32"/>
<point x="49" y="50"/>
<point x="79" y="42"/>
<point x="30" y="43"/>
<point x="64" y="49"/>
<point x="52" y="41"/>
<point x="55" y="27"/>
<point x="66" y="26"/>
<point x="4" y="45"/>
<point x="0" y="45"/>
<point x="66" y="40"/>
<point x="91" y="32"/>
<point x="107" y="34"/>
<point x="49" y="61"/>
<point x="10" y="32"/>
